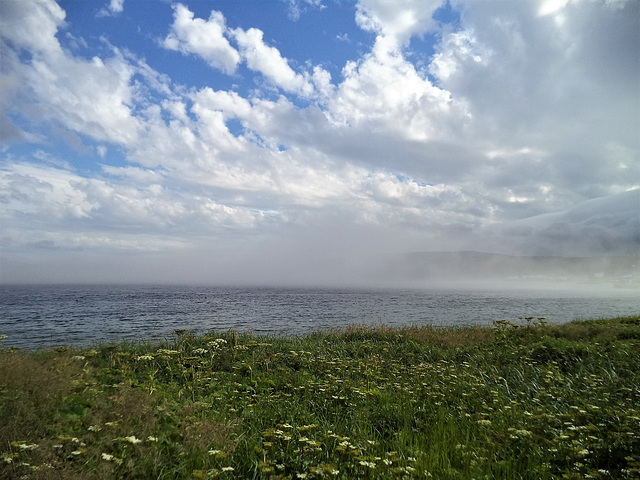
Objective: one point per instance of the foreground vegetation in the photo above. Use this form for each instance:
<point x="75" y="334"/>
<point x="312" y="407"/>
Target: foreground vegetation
<point x="532" y="401"/>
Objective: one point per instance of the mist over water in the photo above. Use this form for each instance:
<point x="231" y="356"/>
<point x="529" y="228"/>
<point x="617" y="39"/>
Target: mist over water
<point x="45" y="316"/>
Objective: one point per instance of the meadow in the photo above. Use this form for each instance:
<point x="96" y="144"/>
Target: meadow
<point x="522" y="400"/>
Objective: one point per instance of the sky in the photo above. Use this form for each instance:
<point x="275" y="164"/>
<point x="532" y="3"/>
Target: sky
<point x="305" y="141"/>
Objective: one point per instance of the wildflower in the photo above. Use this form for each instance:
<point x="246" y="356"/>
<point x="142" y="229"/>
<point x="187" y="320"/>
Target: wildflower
<point x="228" y="469"/>
<point x="132" y="439"/>
<point x="364" y="463"/>
<point x="304" y="428"/>
<point x="484" y="422"/>
<point x="200" y="351"/>
<point x="76" y="452"/>
<point x="94" y="428"/>
<point x="164" y="351"/>
<point x="108" y="457"/>
<point x="145" y="357"/>
<point x="217" y="343"/>
<point x="151" y="438"/>
<point x="24" y="445"/>
<point x="214" y="452"/>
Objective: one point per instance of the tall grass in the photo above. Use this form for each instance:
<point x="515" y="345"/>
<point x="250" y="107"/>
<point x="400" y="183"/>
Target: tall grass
<point x="532" y="401"/>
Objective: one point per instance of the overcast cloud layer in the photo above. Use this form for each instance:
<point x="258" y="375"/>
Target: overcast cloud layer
<point x="519" y="133"/>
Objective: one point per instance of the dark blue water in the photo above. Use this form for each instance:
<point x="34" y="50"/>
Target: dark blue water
<point x="46" y="316"/>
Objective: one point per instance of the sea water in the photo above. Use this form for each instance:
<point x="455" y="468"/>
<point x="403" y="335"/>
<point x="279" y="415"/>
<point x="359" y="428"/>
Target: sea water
<point x="45" y="316"/>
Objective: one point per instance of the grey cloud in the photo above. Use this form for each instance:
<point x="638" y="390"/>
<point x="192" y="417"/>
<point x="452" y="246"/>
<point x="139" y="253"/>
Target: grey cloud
<point x="598" y="226"/>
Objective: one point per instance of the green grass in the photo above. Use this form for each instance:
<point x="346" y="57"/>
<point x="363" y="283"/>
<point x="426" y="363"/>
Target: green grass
<point x="533" y="401"/>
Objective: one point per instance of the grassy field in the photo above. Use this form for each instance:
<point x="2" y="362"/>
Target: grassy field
<point x="531" y="401"/>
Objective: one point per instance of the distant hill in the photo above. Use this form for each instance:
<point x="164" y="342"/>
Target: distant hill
<point x="475" y="266"/>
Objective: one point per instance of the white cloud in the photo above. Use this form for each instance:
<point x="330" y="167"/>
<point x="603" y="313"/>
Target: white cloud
<point x="205" y="38"/>
<point x="386" y="93"/>
<point x="398" y="20"/>
<point x="91" y="97"/>
<point x="45" y="192"/>
<point x="113" y="8"/>
<point x="269" y="62"/>
<point x="298" y="7"/>
<point x="32" y="25"/>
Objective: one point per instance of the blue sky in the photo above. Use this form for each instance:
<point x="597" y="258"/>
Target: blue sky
<point x="301" y="141"/>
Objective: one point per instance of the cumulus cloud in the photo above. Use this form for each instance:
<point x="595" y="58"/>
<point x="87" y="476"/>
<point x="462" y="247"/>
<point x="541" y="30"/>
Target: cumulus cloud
<point x="205" y="38"/>
<point x="92" y="97"/>
<point x="32" y="25"/>
<point x="397" y="20"/>
<point x="269" y="62"/>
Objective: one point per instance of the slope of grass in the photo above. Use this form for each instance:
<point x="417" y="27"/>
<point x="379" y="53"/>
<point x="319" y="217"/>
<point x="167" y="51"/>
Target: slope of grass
<point x="533" y="401"/>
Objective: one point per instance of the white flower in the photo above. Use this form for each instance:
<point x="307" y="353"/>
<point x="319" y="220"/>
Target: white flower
<point x="107" y="457"/>
<point x="132" y="439"/>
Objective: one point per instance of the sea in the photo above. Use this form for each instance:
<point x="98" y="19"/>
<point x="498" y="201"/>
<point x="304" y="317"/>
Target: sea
<point x="45" y="316"/>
